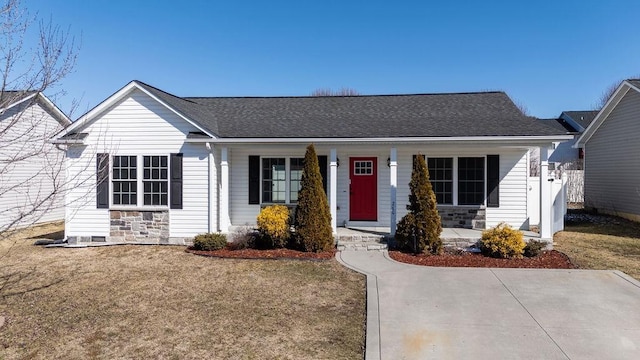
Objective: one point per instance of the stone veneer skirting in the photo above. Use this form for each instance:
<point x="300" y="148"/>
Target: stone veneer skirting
<point x="462" y="217"/>
<point x="139" y="226"/>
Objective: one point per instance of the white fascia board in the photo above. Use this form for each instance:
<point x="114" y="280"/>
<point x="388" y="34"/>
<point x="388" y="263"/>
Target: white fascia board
<point x="190" y="121"/>
<point x="604" y="113"/>
<point x="66" y="142"/>
<point x="529" y="140"/>
<point x="63" y="119"/>
<point x="86" y="118"/>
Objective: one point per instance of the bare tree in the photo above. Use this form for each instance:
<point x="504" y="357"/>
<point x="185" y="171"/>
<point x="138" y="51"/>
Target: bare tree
<point x="35" y="55"/>
<point x="342" y="92"/>
<point x="608" y="92"/>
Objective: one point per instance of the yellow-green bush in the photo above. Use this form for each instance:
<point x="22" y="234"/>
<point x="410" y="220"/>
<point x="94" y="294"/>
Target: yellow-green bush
<point x="273" y="224"/>
<point x="502" y="241"/>
<point x="210" y="241"/>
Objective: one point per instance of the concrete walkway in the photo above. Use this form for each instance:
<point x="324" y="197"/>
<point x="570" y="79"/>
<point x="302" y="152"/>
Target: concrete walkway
<point x="416" y="312"/>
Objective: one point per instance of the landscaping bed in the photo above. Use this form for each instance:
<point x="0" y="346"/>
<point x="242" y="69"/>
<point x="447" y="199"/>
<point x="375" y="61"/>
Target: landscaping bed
<point x="265" y="254"/>
<point x="546" y="260"/>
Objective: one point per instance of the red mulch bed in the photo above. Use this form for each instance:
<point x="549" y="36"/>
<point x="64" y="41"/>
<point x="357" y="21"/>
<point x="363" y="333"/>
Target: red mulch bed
<point x="265" y="254"/>
<point x="546" y="260"/>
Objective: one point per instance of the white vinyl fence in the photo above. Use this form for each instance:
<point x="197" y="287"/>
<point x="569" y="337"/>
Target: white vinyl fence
<point x="558" y="199"/>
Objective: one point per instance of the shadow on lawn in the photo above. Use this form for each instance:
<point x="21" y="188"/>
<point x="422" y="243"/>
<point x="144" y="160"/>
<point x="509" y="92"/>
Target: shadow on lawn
<point x="19" y="283"/>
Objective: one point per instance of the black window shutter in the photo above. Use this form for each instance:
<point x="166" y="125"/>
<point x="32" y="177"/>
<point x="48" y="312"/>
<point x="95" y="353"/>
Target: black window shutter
<point x="322" y="163"/>
<point x="254" y="179"/>
<point x="493" y="180"/>
<point x="176" y="181"/>
<point x="102" y="181"/>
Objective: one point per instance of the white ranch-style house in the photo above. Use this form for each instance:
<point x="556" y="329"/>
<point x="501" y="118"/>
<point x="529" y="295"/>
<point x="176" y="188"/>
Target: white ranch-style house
<point x="168" y="168"/>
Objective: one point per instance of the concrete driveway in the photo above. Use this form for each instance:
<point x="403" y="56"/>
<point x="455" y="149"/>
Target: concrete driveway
<point x="416" y="312"/>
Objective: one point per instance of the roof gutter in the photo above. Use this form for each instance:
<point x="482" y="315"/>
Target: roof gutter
<point x="503" y="139"/>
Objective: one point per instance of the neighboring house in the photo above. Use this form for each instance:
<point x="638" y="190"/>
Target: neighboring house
<point x="31" y="168"/>
<point x="169" y="168"/>
<point x="612" y="149"/>
<point x="564" y="155"/>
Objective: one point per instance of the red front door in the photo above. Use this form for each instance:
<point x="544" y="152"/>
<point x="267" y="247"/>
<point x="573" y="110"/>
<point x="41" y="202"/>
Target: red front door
<point x="363" y="191"/>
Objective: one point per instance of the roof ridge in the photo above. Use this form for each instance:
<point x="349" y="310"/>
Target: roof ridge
<point x="344" y="96"/>
<point x="164" y="92"/>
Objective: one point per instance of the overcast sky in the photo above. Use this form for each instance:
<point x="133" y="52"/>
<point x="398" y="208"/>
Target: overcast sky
<point x="547" y="55"/>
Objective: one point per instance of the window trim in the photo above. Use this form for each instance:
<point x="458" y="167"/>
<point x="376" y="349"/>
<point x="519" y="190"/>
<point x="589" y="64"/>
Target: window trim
<point x="287" y="178"/>
<point x="456" y="179"/>
<point x="453" y="181"/>
<point x="139" y="183"/>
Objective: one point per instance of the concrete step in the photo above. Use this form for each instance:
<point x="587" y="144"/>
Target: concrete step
<point x="361" y="246"/>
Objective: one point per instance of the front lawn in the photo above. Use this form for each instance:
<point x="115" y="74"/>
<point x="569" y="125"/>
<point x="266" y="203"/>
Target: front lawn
<point x="601" y="242"/>
<point x="161" y="302"/>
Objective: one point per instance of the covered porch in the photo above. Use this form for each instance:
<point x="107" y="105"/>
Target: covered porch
<point x="390" y="166"/>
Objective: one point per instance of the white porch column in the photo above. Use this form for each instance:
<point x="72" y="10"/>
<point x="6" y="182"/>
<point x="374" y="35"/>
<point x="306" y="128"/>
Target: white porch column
<point x="546" y="231"/>
<point x="213" y="189"/>
<point x="225" y="221"/>
<point x="333" y="189"/>
<point x="393" y="182"/>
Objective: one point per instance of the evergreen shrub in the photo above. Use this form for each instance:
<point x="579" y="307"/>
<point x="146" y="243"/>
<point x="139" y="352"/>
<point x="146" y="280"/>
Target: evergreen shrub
<point x="273" y="225"/>
<point x="312" y="222"/>
<point x="210" y="241"/>
<point x="422" y="221"/>
<point x="502" y="241"/>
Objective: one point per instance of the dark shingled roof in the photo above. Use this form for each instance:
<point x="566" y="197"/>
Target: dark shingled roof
<point x="370" y="116"/>
<point x="559" y="125"/>
<point x="9" y="97"/>
<point x="635" y="82"/>
<point x="584" y="118"/>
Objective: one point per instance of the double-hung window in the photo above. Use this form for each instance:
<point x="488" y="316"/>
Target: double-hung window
<point x="281" y="179"/>
<point x="441" y="176"/>
<point x="471" y="183"/>
<point x="154" y="180"/>
<point x="125" y="180"/>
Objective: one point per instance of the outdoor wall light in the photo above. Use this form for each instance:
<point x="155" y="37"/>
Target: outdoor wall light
<point x="388" y="162"/>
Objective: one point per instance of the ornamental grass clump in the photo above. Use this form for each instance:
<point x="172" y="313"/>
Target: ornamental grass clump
<point x="209" y="241"/>
<point x="502" y="241"/>
<point x="312" y="218"/>
<point x="422" y="222"/>
<point x="274" y="227"/>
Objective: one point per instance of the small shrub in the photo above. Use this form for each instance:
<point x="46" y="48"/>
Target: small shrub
<point x="243" y="239"/>
<point x="502" y="242"/>
<point x="210" y="241"/>
<point x="534" y="247"/>
<point x="273" y="224"/>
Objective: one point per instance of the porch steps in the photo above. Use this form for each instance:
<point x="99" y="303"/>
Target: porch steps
<point x="348" y="239"/>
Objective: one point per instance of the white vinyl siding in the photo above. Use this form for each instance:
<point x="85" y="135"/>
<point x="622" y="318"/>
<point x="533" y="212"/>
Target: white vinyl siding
<point x="513" y="191"/>
<point x="30" y="166"/>
<point x="612" y="164"/>
<point x="138" y="125"/>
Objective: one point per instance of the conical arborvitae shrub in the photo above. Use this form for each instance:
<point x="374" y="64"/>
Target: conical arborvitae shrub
<point x="422" y="220"/>
<point x="313" y="217"/>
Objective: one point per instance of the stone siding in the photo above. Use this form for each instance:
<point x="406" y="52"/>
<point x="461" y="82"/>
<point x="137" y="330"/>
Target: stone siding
<point x="463" y="217"/>
<point x="139" y="226"/>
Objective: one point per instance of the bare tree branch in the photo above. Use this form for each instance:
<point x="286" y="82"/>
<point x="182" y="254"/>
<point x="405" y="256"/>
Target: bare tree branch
<point x="32" y="170"/>
<point x="342" y="92"/>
